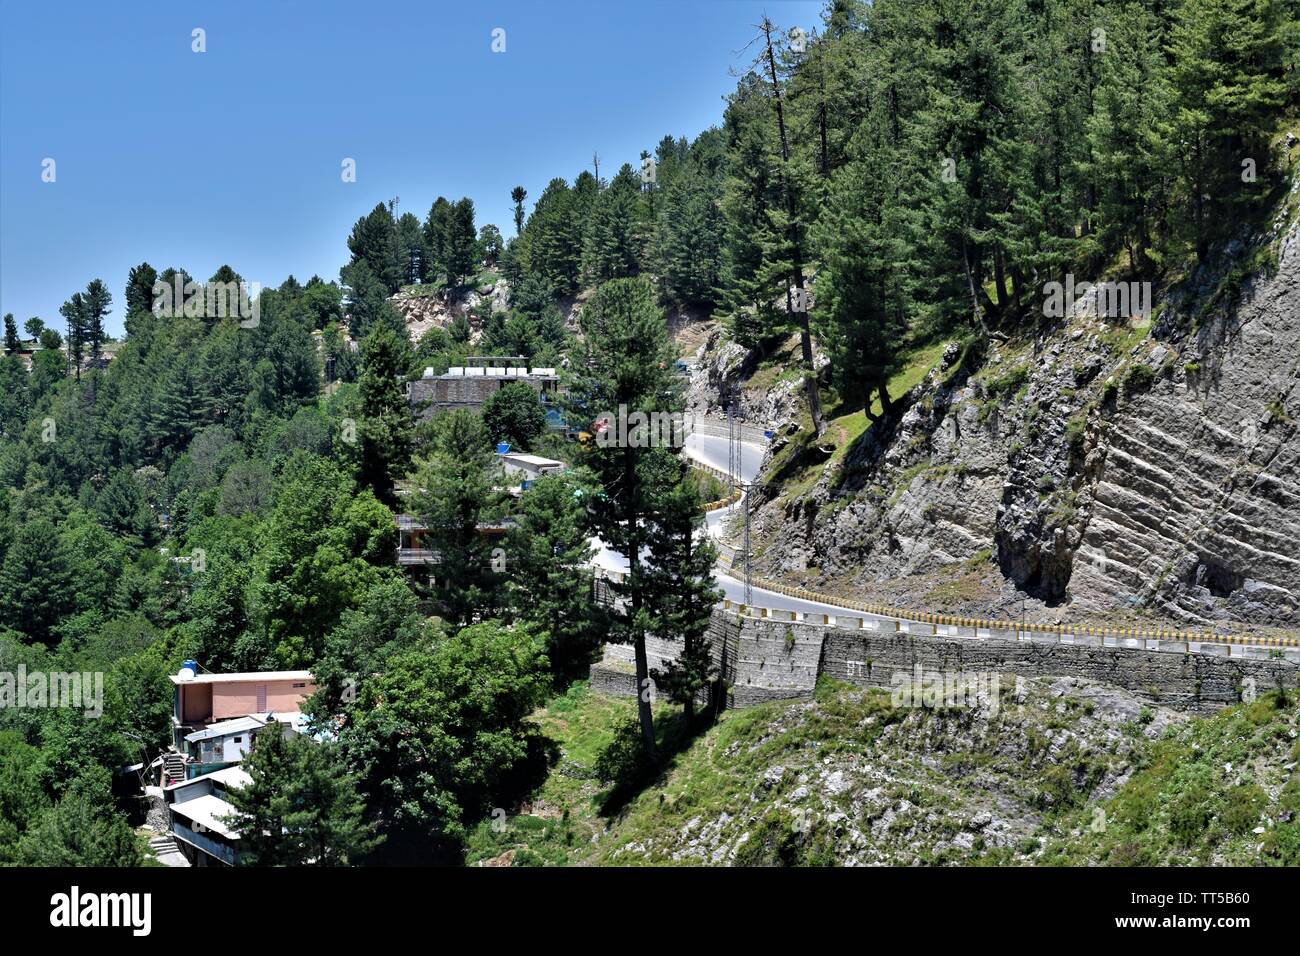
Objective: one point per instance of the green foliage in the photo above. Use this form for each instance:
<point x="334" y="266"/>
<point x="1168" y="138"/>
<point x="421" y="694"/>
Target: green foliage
<point x="441" y="736"/>
<point x="548" y="557"/>
<point x="514" y="414"/>
<point x="1138" y="378"/>
<point x="623" y="762"/>
<point x="79" y="830"/>
<point x="626" y="367"/>
<point x="384" y="433"/>
<point x="454" y="495"/>
<point x="301" y="808"/>
<point x="325" y="545"/>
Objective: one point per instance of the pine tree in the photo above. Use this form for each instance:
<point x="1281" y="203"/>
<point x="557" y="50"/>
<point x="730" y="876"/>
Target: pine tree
<point x="689" y="234"/>
<point x="1129" y="138"/>
<point x="461" y="242"/>
<point x="454" y="497"/>
<point x="613" y="231"/>
<point x="626" y="368"/>
<point x="410" y="237"/>
<point x="374" y="241"/>
<point x="517" y="196"/>
<point x="548" y="560"/>
<point x="12" y="344"/>
<point x="301" y="807"/>
<point x="437" y="225"/>
<point x="385" y="430"/>
<point x="552" y="239"/>
<point x="98" y="301"/>
<point x="139" y="289"/>
<point x="789" y="224"/>
<point x="1226" y="88"/>
<point x="679" y="568"/>
<point x="74" y="313"/>
<point x="35" y="586"/>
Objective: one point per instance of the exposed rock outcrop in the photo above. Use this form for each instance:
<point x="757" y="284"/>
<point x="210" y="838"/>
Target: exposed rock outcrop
<point x="423" y="310"/>
<point x="1106" y="465"/>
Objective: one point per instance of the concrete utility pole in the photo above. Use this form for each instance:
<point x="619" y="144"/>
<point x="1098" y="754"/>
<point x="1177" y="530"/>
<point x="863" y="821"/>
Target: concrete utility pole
<point x="731" y="448"/>
<point x="745" y="488"/>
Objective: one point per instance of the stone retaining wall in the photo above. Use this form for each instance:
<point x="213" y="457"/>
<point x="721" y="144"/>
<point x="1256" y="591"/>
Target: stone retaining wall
<point x="765" y="659"/>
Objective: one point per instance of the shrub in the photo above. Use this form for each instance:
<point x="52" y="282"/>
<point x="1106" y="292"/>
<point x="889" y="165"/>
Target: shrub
<point x="1244" y="803"/>
<point x="1138" y="378"/>
<point x="1075" y="433"/>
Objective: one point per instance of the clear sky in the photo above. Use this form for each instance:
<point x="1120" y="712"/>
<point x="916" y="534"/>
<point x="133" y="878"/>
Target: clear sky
<point x="234" y="155"/>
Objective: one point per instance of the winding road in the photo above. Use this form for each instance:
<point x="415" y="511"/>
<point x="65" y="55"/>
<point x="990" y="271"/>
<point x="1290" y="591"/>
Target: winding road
<point x="711" y="450"/>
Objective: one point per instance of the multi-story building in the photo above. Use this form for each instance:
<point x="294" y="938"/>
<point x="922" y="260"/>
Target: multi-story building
<point x="215" y="721"/>
<point x="471" y="385"/>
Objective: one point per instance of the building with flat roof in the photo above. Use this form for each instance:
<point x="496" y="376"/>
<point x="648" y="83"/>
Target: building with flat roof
<point x="204" y="699"/>
<point x="469" y="386"/>
<point x="520" y="470"/>
<point x="200" y="816"/>
<point x="215" y="723"/>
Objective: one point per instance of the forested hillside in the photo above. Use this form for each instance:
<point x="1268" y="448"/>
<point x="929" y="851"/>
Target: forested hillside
<point x="911" y="176"/>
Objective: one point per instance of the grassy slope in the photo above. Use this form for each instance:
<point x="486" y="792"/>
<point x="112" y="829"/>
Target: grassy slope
<point x="843" y="430"/>
<point x="1062" y="773"/>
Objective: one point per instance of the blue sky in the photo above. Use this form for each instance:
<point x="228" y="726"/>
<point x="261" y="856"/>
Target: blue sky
<point x="234" y="155"/>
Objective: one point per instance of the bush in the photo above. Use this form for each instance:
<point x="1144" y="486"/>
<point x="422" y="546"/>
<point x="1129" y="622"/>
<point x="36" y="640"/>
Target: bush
<point x="1075" y="433"/>
<point x="1190" y="815"/>
<point x="1138" y="378"/>
<point x="1244" y="804"/>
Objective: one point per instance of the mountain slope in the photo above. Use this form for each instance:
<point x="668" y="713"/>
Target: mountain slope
<point x="1051" y="771"/>
<point x="1093" y="468"/>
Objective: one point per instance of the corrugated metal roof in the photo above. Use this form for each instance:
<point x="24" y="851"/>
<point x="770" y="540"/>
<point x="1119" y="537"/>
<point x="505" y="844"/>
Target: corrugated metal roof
<point x="224" y="728"/>
<point x="209" y="811"/>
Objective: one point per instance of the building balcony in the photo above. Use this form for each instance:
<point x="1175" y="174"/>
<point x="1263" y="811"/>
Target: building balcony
<point x="414" y="557"/>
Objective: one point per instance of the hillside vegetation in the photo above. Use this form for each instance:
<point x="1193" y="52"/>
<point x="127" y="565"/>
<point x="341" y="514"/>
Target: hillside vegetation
<point x="1060" y="772"/>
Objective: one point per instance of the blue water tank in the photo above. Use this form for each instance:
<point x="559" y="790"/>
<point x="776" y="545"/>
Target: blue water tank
<point x="503" y="447"/>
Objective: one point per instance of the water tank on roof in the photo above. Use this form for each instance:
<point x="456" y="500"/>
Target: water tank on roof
<point x="189" y="670"/>
<point x="503" y="448"/>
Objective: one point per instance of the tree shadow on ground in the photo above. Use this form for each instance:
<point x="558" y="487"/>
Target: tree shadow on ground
<point x="624" y="762"/>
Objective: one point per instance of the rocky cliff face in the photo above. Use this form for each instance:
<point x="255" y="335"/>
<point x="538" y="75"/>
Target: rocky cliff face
<point x="1106" y="465"/>
<point x="1196" y="504"/>
<point x="423" y="312"/>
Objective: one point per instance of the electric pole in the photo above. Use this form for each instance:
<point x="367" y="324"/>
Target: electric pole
<point x="745" y="489"/>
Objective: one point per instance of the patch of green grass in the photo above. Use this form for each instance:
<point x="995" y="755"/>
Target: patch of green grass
<point x="799" y="469"/>
<point x="1075" y="434"/>
<point x="915" y="366"/>
<point x="1199" y="795"/>
<point x="1138" y="378"/>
